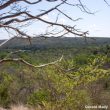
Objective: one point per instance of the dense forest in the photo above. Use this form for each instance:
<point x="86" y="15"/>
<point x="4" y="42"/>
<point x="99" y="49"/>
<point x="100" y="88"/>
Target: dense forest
<point x="80" y="77"/>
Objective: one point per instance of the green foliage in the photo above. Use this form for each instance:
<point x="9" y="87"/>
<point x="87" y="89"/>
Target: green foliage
<point x="3" y="54"/>
<point x="61" y="86"/>
<point x="38" y="97"/>
<point x="5" y="80"/>
<point x="81" y="59"/>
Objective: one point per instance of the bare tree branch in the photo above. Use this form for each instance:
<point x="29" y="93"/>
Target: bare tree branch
<point x="15" y="16"/>
<point x="29" y="64"/>
<point x="38" y="1"/>
<point x="68" y="16"/>
<point x="67" y="28"/>
<point x="106" y="2"/>
<point x="8" y="3"/>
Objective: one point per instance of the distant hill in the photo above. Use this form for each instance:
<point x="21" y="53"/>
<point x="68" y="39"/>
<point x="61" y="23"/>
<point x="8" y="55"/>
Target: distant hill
<point x="51" y="42"/>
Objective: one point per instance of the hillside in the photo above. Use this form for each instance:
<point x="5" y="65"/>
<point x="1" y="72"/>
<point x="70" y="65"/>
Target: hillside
<point x="80" y="78"/>
<point x="41" y="42"/>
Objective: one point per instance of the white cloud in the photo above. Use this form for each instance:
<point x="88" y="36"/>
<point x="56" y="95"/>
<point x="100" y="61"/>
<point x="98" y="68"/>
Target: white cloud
<point x="45" y="17"/>
<point x="94" y="28"/>
<point x="53" y="13"/>
<point x="62" y="20"/>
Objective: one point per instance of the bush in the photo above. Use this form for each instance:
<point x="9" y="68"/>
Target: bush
<point x="38" y="97"/>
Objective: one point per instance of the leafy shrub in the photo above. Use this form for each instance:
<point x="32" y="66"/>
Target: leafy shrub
<point x="38" y="97"/>
<point x="81" y="59"/>
<point x="61" y="86"/>
<point x="5" y="80"/>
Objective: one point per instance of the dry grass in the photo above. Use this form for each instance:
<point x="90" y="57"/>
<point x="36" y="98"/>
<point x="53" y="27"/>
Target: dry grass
<point x="19" y="107"/>
<point x="2" y="108"/>
<point x="22" y="107"/>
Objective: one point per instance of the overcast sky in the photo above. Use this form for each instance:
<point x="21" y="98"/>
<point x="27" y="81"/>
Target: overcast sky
<point x="98" y="24"/>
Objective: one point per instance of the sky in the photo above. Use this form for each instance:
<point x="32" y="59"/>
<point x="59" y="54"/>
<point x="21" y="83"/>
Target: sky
<point x="98" y="24"/>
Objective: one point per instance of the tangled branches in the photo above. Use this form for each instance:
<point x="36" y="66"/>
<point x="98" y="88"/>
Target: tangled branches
<point x="14" y="16"/>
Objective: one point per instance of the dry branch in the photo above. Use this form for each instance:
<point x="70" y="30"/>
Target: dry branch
<point x="29" y="64"/>
<point x="14" y="17"/>
<point x="18" y="15"/>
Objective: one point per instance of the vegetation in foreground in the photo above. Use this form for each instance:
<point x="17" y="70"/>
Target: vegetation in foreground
<point x="81" y="78"/>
